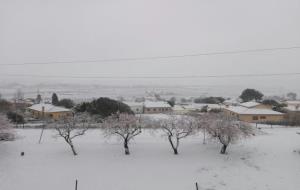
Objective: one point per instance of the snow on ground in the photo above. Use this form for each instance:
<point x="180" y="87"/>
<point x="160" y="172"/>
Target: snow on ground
<point x="266" y="161"/>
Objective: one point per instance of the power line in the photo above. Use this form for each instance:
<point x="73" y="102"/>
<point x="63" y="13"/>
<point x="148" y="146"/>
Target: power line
<point x="156" y="57"/>
<point x="156" y="77"/>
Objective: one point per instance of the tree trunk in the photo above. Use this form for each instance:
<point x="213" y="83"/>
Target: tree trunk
<point x="126" y="147"/>
<point x="223" y="150"/>
<point x="73" y="148"/>
<point x="172" y="145"/>
<point x="175" y="151"/>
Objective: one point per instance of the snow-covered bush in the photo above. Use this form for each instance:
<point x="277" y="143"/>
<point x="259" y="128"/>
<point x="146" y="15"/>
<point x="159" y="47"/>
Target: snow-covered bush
<point x="6" y="132"/>
<point x="124" y="125"/>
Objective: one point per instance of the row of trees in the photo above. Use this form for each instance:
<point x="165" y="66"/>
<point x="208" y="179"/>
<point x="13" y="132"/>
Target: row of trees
<point x="210" y="100"/>
<point x="174" y="127"/>
<point x="253" y="94"/>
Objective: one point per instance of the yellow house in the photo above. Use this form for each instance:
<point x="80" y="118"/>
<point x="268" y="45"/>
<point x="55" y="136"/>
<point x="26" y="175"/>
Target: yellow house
<point x="40" y="111"/>
<point x="254" y="115"/>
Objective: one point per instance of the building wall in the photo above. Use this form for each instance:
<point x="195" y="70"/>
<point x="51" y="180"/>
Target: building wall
<point x="156" y="110"/>
<point x="53" y="115"/>
<point x="257" y="118"/>
<point x="261" y="118"/>
<point x="137" y="109"/>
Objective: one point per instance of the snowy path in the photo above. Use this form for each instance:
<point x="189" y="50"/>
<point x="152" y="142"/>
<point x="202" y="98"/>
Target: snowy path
<point x="262" y="162"/>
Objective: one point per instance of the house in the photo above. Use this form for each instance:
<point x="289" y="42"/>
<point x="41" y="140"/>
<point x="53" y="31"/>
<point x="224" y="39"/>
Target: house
<point x="254" y="115"/>
<point x="156" y="107"/>
<point x="22" y="103"/>
<point x="179" y="109"/>
<point x="255" y="105"/>
<point x="42" y="110"/>
<point x="292" y="106"/>
<point x="198" y="107"/>
<point x="195" y="107"/>
<point x="231" y="102"/>
<point x="136" y="107"/>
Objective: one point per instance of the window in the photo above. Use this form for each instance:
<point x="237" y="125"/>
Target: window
<point x="255" y="118"/>
<point x="154" y="109"/>
<point x="148" y="109"/>
<point x="262" y="117"/>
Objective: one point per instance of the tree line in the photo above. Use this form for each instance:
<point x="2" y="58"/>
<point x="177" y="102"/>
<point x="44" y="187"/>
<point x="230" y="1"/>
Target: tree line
<point x="223" y="128"/>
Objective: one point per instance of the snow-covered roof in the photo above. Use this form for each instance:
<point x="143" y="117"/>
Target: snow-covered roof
<point x="253" y="111"/>
<point x="195" y="106"/>
<point x="131" y="104"/>
<point x="48" y="108"/>
<point x="231" y="101"/>
<point x="159" y="104"/>
<point x="249" y="104"/>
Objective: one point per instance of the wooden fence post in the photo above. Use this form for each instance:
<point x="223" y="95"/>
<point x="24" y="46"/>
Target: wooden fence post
<point x="197" y="186"/>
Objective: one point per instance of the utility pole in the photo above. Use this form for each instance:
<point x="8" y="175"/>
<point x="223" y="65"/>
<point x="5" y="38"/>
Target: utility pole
<point x="16" y="112"/>
<point x="43" y="120"/>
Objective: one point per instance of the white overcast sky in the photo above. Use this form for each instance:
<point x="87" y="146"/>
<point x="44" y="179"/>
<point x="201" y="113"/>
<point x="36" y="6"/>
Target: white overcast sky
<point x="67" y="30"/>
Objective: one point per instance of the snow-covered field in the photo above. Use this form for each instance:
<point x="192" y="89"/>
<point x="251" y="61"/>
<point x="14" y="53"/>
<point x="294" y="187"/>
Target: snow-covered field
<point x="266" y="161"/>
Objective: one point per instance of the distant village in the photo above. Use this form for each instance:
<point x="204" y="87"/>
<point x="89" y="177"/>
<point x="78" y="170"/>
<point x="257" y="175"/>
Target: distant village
<point x="251" y="106"/>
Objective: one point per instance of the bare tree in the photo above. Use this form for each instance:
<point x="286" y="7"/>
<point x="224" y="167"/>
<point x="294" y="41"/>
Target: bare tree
<point x="227" y="129"/>
<point x="6" y="132"/>
<point x="175" y="128"/>
<point x="72" y="127"/>
<point x="124" y="125"/>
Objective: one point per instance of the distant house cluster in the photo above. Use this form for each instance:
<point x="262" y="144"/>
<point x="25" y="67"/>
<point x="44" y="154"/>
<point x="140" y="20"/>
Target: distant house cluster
<point x="251" y="111"/>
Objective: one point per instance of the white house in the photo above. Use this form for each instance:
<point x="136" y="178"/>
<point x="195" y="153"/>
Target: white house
<point x="156" y="107"/>
<point x="292" y="106"/>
